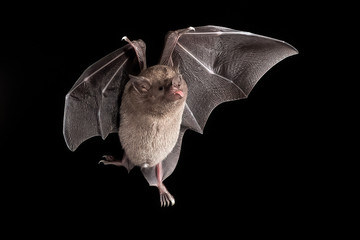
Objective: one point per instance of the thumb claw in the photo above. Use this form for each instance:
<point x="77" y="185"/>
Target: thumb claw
<point x="125" y="38"/>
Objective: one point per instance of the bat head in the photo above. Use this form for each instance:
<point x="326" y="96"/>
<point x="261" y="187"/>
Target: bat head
<point x="160" y="87"/>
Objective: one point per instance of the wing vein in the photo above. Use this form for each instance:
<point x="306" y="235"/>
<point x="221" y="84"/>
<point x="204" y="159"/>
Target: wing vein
<point x="217" y="33"/>
<point x="113" y="76"/>
<point x="194" y="118"/>
<point x="102" y="94"/>
<point x="210" y="70"/>
<point x="96" y="71"/>
<point x="221" y="33"/>
<point x="122" y="53"/>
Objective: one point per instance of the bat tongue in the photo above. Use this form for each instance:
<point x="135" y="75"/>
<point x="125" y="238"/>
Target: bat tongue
<point x="180" y="93"/>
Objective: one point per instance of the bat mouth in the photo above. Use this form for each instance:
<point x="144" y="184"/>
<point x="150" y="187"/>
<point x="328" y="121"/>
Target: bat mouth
<point x="179" y="93"/>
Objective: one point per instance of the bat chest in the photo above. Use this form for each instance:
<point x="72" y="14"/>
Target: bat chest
<point x="147" y="139"/>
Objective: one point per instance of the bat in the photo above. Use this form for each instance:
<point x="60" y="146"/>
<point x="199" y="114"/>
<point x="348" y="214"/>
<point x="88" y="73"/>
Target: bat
<point x="152" y="107"/>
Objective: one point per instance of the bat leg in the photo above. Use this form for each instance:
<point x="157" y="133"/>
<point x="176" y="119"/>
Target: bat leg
<point x="125" y="162"/>
<point x="166" y="199"/>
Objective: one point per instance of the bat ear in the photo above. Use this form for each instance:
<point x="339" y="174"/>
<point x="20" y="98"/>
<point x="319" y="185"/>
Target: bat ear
<point x="141" y="84"/>
<point x="177" y="68"/>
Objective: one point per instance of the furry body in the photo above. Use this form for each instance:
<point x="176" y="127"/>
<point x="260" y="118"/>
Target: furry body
<point x="149" y="130"/>
<point x="148" y="139"/>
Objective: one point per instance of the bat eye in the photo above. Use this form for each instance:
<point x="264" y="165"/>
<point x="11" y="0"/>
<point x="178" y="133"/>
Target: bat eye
<point x="161" y="88"/>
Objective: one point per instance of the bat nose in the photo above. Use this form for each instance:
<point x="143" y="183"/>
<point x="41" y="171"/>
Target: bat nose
<point x="176" y="83"/>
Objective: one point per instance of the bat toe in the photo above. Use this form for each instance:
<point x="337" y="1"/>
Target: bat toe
<point x="110" y="160"/>
<point x="166" y="199"/>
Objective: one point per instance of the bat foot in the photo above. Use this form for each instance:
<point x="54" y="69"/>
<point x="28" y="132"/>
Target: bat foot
<point x="166" y="199"/>
<point x="110" y="160"/>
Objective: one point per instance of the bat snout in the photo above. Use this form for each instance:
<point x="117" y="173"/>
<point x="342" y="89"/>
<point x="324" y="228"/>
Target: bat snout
<point x="176" y="83"/>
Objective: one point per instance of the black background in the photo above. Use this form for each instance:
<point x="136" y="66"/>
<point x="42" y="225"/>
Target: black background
<point x="253" y="171"/>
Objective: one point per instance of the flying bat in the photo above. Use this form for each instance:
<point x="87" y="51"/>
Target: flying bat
<point x="151" y="107"/>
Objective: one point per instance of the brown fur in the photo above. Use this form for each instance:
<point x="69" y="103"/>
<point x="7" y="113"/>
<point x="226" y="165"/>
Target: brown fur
<point x="150" y="120"/>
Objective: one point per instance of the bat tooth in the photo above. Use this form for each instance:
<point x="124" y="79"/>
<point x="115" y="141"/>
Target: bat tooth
<point x="191" y="28"/>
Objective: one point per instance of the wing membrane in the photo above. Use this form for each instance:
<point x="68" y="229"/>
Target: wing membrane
<point x="92" y="105"/>
<point x="221" y="64"/>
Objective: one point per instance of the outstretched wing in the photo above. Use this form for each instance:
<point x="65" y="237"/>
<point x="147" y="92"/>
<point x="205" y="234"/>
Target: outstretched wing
<point x="93" y="103"/>
<point x="218" y="64"/>
<point x="221" y="64"/>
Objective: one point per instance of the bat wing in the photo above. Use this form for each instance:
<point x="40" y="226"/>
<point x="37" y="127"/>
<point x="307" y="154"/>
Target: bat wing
<point x="219" y="65"/>
<point x="93" y="103"/>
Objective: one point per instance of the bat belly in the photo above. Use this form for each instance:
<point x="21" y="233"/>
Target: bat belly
<point x="150" y="142"/>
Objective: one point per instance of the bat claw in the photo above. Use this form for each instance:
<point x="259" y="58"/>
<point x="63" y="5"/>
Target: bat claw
<point x="125" y="38"/>
<point x="108" y="158"/>
<point x="166" y="199"/>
